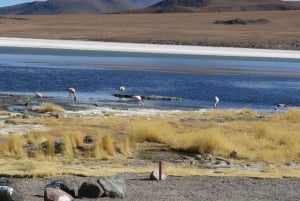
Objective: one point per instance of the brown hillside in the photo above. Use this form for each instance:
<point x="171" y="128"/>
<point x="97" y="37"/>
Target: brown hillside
<point x="280" y="30"/>
<point x="69" y="7"/>
<point x="218" y="6"/>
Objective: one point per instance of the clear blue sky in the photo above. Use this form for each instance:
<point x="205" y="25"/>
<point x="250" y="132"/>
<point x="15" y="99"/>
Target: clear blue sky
<point x="14" y="2"/>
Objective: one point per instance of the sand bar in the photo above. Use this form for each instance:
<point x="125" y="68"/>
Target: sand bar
<point x="147" y="48"/>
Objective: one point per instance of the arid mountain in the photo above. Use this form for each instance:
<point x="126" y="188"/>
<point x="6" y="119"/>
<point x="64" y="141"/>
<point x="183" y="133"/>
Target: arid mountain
<point x="70" y="7"/>
<point x="218" y="5"/>
<point x="140" y="6"/>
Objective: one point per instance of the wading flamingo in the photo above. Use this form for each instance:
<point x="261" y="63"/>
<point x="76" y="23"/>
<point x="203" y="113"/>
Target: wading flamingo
<point x="217" y="101"/>
<point x="38" y="94"/>
<point x="138" y="99"/>
<point x="72" y="92"/>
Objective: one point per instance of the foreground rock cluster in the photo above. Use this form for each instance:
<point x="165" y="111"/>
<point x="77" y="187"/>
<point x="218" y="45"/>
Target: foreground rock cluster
<point x="62" y="190"/>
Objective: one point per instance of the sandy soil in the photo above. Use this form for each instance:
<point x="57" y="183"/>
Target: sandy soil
<point x="139" y="187"/>
<point x="178" y="28"/>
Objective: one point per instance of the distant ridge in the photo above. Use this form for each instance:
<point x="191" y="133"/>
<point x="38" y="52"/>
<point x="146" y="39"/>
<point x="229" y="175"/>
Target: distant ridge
<point x="169" y="6"/>
<point x="51" y="7"/>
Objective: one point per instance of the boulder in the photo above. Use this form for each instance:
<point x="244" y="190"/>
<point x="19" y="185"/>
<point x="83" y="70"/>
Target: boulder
<point x="55" y="194"/>
<point x="7" y="193"/>
<point x="114" y="186"/>
<point x="62" y="185"/>
<point x="90" y="189"/>
<point x="155" y="176"/>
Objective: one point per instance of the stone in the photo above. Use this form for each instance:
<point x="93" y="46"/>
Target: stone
<point x="6" y="193"/>
<point x="55" y="194"/>
<point x="62" y="185"/>
<point x="155" y="176"/>
<point x="88" y="139"/>
<point x="90" y="189"/>
<point x="114" y="186"/>
<point x="58" y="146"/>
<point x="233" y="154"/>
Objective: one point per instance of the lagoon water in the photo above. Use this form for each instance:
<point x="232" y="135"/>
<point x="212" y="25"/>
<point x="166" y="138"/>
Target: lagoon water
<point x="257" y="83"/>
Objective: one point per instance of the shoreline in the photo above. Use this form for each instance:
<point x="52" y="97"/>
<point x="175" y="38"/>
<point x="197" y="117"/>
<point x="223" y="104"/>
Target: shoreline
<point x="147" y="48"/>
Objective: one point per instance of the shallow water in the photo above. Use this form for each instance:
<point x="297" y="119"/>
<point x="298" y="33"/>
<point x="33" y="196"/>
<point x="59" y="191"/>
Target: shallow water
<point x="238" y="82"/>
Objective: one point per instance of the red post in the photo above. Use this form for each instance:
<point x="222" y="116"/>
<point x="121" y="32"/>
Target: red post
<point x="159" y="170"/>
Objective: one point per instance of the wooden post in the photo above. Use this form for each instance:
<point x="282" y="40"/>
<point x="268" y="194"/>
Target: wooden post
<point x="160" y="170"/>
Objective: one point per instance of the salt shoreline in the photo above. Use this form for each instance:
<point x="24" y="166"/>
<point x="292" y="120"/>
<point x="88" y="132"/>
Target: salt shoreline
<point x="147" y="48"/>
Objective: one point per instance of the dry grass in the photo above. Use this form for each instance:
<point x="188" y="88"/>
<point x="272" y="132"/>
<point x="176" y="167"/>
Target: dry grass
<point x="47" y="107"/>
<point x="178" y="28"/>
<point x="255" y="139"/>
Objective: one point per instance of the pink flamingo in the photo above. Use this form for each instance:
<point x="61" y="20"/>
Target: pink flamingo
<point x="38" y="94"/>
<point x="138" y="99"/>
<point x="72" y="92"/>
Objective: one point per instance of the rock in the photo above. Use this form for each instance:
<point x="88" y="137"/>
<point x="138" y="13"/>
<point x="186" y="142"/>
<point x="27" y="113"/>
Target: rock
<point x="282" y="105"/>
<point x="223" y="159"/>
<point x="233" y="154"/>
<point x="6" y="193"/>
<point x="30" y="149"/>
<point x="198" y="157"/>
<point x="58" y="146"/>
<point x="90" y="189"/>
<point x="155" y="176"/>
<point x="88" y="139"/>
<point x="242" y="21"/>
<point x="54" y="194"/>
<point x="113" y="186"/>
<point x="207" y="157"/>
<point x="62" y="185"/>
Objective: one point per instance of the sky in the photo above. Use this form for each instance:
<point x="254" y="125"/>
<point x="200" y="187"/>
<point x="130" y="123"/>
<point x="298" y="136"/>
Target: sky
<point x="14" y="2"/>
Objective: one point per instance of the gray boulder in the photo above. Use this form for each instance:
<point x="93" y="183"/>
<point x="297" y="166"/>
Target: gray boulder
<point x="8" y="192"/>
<point x="62" y="185"/>
<point x="90" y="189"/>
<point x="113" y="186"/>
<point x="54" y="194"/>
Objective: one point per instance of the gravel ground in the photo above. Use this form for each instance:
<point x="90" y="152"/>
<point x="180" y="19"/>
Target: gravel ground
<point x="140" y="188"/>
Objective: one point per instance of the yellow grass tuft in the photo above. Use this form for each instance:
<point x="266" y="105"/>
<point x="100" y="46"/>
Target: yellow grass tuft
<point x="291" y="115"/>
<point x="108" y="145"/>
<point x="48" y="107"/>
<point x="15" y="145"/>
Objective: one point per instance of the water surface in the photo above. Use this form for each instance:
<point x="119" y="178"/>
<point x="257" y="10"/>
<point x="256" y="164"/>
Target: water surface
<point x="239" y="82"/>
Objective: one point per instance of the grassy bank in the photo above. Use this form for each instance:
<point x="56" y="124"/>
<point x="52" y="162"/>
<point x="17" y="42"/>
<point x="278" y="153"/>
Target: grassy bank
<point x="254" y="137"/>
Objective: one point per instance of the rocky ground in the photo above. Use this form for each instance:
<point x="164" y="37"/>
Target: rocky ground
<point x="139" y="187"/>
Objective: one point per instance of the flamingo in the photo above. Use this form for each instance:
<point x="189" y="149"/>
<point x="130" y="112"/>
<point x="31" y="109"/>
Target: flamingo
<point x="122" y="88"/>
<point x="38" y="94"/>
<point x="138" y="99"/>
<point x="72" y="92"/>
<point x="217" y="101"/>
